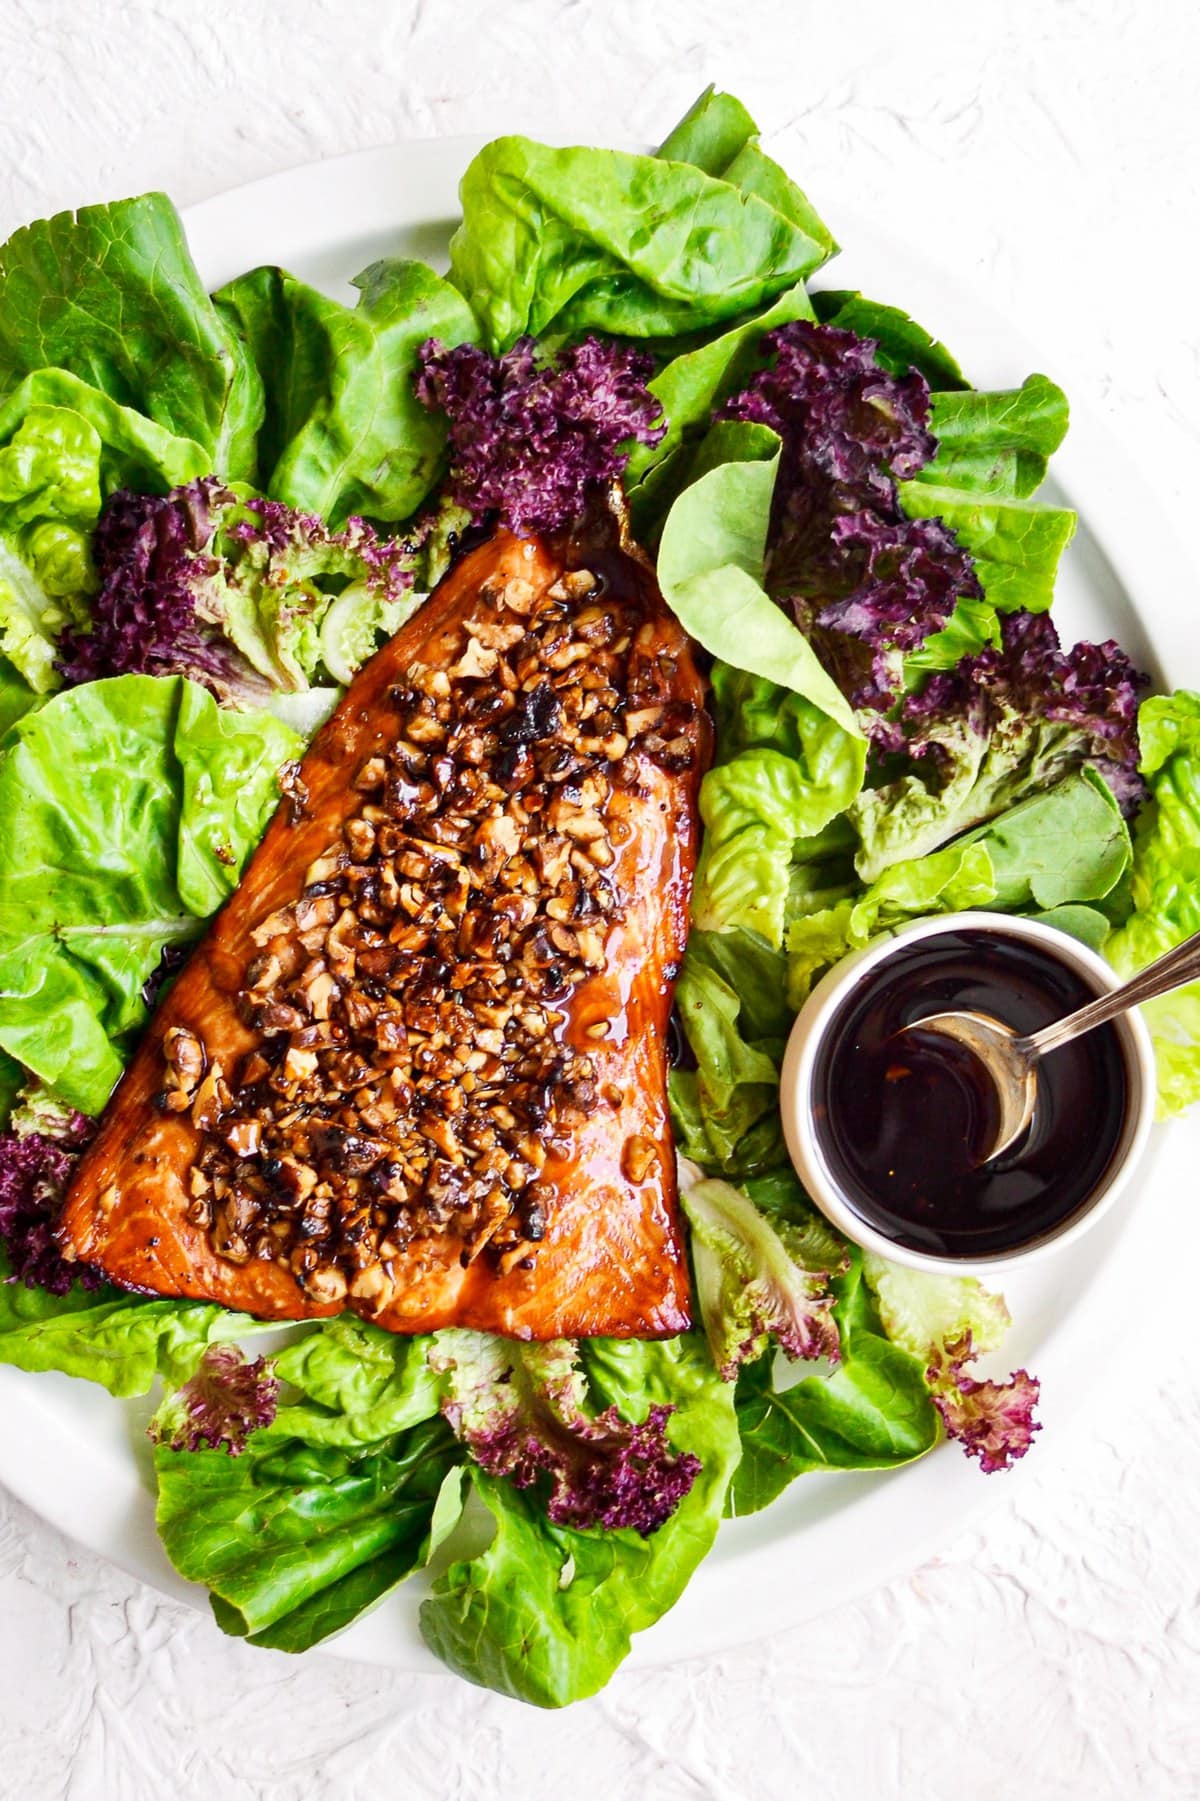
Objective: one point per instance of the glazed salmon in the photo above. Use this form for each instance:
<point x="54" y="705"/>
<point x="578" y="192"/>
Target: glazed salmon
<point x="417" y="1068"/>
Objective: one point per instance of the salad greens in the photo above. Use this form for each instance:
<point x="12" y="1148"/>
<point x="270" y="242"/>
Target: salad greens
<point x="592" y="1589"/>
<point x="343" y="431"/>
<point x="118" y="1340"/>
<point x="65" y="448"/>
<point x="129" y="807"/>
<point x="211" y="510"/>
<point x="349" y="1488"/>
<point x="555" y="241"/>
<point x="873" y="1411"/>
<point x="1165" y="890"/>
<point x="110" y="294"/>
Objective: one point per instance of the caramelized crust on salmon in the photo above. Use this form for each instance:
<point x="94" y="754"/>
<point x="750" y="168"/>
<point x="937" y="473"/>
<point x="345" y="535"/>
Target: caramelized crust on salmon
<point x="417" y="1068"/>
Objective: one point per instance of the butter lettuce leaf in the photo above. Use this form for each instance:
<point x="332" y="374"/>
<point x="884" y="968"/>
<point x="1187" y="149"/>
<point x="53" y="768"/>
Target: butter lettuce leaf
<point x="1165" y="887"/>
<point x="902" y="343"/>
<point x="948" y="881"/>
<point x="710" y="134"/>
<point x="732" y="1003"/>
<point x="1015" y="545"/>
<point x="710" y="569"/>
<point x="63" y="446"/>
<point x="1067" y="846"/>
<point x="786" y="772"/>
<point x="131" y="450"/>
<point x="872" y="1411"/>
<point x="1001" y="727"/>
<point x="343" y="431"/>
<point x="717" y="135"/>
<point x="342" y="1496"/>
<point x="756" y="1282"/>
<point x="1053" y="852"/>
<point x="546" y="1613"/>
<point x="111" y="294"/>
<point x="998" y="442"/>
<point x="578" y="240"/>
<point x="103" y="1335"/>
<point x="16" y="697"/>
<point x="689" y="387"/>
<point x="130" y="806"/>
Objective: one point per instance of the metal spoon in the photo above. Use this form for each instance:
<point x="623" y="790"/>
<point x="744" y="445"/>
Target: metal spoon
<point x="1011" y="1062"/>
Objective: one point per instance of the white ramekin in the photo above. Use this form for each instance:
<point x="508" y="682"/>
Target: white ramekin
<point x="825" y="1001"/>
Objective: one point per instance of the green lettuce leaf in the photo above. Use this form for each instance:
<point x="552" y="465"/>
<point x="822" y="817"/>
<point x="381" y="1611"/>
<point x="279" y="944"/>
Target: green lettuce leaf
<point x="351" y="1488"/>
<point x="49" y="500"/>
<point x="732" y="1002"/>
<point x="1069" y="845"/>
<point x="546" y="1613"/>
<point x="1165" y="888"/>
<point x="579" y="240"/>
<point x="689" y="387"/>
<point x="111" y="294"/>
<point x="361" y="1384"/>
<point x="1054" y="851"/>
<point x="344" y="431"/>
<point x="1015" y="544"/>
<point x="996" y="443"/>
<point x="1088" y="924"/>
<point x="710" y="134"/>
<point x="872" y="1411"/>
<point x="718" y="136"/>
<point x="948" y="881"/>
<point x="119" y="1340"/>
<point x="16" y="697"/>
<point x="63" y="447"/>
<point x="12" y="1080"/>
<point x="710" y="570"/>
<point x="791" y="770"/>
<point x="973" y="626"/>
<point x="981" y="775"/>
<point x="130" y="806"/>
<point x="902" y="343"/>
<point x="923" y="1312"/>
<point x="132" y="451"/>
<point x="30" y="621"/>
<point x="757" y="1281"/>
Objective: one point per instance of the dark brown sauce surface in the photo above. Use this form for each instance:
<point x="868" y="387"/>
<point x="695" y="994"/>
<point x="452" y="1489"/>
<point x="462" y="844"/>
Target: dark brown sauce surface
<point x="903" y="1123"/>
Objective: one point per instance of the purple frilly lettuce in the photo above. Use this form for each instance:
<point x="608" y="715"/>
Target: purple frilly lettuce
<point x="519" y="1411"/>
<point x="992" y="1421"/>
<point x="182" y="577"/>
<point x="1092" y="689"/>
<point x="534" y="440"/>
<point x="752" y="1285"/>
<point x="947" y="1321"/>
<point x="152" y="558"/>
<point x="222" y="1403"/>
<point x="841" y="553"/>
<point x="909" y="576"/>
<point x="35" y="1167"/>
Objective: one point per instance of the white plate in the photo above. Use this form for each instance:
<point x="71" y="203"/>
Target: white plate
<point x="80" y="1459"/>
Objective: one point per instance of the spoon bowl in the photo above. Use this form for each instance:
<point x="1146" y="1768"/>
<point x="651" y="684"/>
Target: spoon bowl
<point x="1011" y="1062"/>
<point x="1010" y="1065"/>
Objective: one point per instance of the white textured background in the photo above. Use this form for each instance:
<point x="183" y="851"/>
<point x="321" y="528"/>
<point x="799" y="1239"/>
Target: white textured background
<point x="1050" y="152"/>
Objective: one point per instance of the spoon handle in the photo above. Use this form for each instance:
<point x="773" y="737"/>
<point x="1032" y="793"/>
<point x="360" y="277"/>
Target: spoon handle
<point x="1170" y="971"/>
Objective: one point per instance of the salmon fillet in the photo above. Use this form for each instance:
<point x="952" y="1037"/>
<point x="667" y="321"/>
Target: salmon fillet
<point x="417" y="1067"/>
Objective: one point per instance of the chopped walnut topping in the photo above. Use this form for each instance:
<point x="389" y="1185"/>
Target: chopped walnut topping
<point x="641" y="1154"/>
<point x="413" y="1066"/>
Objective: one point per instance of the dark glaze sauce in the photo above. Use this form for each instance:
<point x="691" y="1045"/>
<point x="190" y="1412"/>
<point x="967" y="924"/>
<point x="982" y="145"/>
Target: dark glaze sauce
<point x="903" y="1123"/>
